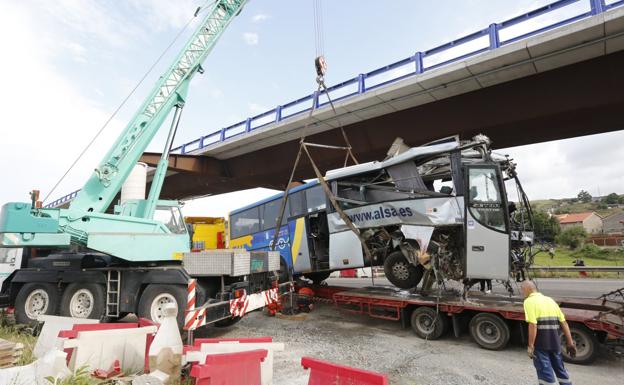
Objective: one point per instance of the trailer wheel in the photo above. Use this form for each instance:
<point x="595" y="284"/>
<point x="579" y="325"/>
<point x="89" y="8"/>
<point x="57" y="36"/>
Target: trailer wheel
<point x="35" y="299"/>
<point x="318" y="277"/>
<point x="489" y="331"/>
<point x="84" y="300"/>
<point x="400" y="272"/>
<point x="586" y="345"/>
<point x="429" y="324"/>
<point x="155" y="297"/>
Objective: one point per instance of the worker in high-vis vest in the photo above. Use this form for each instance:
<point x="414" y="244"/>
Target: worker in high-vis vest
<point x="544" y="346"/>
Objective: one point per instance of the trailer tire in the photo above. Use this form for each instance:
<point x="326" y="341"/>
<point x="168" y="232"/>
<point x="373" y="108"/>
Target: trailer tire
<point x="429" y="324"/>
<point x="586" y="345"/>
<point x="489" y="331"/>
<point x="400" y="272"/>
<point x="318" y="277"/>
<point x="154" y="298"/>
<point x="84" y="300"/>
<point x="35" y="299"/>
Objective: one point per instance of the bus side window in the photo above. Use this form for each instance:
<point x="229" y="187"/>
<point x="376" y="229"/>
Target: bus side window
<point x="245" y="222"/>
<point x="297" y="203"/>
<point x="271" y="211"/>
<point x="315" y="198"/>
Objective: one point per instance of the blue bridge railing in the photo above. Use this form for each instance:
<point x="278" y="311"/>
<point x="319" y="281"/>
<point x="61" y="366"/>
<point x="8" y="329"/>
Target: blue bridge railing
<point x="496" y="35"/>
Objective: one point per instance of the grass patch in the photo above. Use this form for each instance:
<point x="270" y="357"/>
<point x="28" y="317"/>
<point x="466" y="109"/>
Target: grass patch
<point x="592" y="256"/>
<point x="15" y="334"/>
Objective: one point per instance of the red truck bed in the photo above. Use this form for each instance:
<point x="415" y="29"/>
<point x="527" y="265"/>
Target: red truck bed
<point x="603" y="319"/>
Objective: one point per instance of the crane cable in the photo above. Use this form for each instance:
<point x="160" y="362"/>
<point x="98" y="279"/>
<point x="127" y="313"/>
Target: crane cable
<point x="125" y="100"/>
<point x="303" y="145"/>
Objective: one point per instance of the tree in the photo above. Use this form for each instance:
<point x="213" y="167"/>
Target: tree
<point x="546" y="226"/>
<point x="612" y="199"/>
<point x="572" y="237"/>
<point x="584" y="196"/>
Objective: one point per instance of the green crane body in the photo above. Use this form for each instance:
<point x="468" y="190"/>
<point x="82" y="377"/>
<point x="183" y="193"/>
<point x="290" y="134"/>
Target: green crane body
<point x="131" y="232"/>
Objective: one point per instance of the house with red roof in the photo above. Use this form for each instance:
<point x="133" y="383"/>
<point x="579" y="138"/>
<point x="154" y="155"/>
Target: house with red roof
<point x="590" y="221"/>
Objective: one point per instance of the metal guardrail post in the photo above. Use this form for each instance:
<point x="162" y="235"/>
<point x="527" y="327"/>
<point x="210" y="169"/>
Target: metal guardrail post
<point x="361" y="84"/>
<point x="418" y="60"/>
<point x="315" y="97"/>
<point x="597" y="6"/>
<point x="278" y="114"/>
<point x="222" y="136"/>
<point x="493" y="33"/>
<point x="248" y="125"/>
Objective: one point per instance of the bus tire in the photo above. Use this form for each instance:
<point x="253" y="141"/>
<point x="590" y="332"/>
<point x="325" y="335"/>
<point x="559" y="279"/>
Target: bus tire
<point x="400" y="272"/>
<point x="586" y="345"/>
<point x="429" y="324"/>
<point x="35" y="299"/>
<point x="155" y="297"/>
<point x="489" y="331"/>
<point x="84" y="300"/>
<point x="318" y="277"/>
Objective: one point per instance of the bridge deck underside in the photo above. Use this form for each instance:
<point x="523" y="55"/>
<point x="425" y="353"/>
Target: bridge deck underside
<point x="579" y="99"/>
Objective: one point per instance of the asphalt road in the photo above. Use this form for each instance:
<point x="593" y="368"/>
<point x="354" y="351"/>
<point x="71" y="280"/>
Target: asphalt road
<point x="557" y="287"/>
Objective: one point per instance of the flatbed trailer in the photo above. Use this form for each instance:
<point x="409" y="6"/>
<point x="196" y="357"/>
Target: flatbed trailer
<point x="490" y="319"/>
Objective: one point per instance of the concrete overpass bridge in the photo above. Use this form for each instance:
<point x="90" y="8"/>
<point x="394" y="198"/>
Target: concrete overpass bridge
<point x="552" y="73"/>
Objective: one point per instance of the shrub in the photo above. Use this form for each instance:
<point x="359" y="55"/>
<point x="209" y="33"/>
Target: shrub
<point x="572" y="237"/>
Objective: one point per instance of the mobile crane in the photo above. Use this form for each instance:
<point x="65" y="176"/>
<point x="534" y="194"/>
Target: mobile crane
<point x="128" y="261"/>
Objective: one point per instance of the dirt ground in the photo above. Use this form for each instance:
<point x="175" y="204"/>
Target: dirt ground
<point x="383" y="346"/>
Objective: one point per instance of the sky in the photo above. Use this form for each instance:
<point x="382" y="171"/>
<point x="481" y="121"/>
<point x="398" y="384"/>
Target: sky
<point x="67" y="64"/>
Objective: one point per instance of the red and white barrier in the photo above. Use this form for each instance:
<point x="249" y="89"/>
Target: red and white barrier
<point x="196" y="317"/>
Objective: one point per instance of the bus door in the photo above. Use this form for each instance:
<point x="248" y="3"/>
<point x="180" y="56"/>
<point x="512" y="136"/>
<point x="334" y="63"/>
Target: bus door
<point x="486" y="223"/>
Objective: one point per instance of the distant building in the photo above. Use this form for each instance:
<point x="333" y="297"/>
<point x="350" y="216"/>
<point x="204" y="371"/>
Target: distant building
<point x="590" y="221"/>
<point x="614" y="223"/>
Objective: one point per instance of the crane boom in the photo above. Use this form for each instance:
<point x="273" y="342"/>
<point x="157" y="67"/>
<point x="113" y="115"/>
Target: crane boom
<point x="170" y="91"/>
<point x="130" y="233"/>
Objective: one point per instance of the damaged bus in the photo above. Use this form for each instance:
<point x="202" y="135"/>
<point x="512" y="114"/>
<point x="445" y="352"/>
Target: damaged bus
<point x="450" y="209"/>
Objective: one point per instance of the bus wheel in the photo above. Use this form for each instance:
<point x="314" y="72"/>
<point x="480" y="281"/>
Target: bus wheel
<point x="156" y="297"/>
<point x="489" y="331"/>
<point x="429" y="324"/>
<point x="400" y="272"/>
<point x="35" y="299"/>
<point x="318" y="277"/>
<point x="586" y="345"/>
<point x="84" y="300"/>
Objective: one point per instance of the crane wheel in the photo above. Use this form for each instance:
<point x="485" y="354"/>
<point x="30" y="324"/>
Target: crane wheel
<point x="84" y="300"/>
<point x="35" y="299"/>
<point x="155" y="297"/>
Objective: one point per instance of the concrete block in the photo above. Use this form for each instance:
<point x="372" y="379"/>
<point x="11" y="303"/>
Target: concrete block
<point x="500" y="57"/>
<point x="456" y="89"/>
<point x="570" y="57"/>
<point x="394" y="91"/>
<point x="374" y="111"/>
<point x="444" y="75"/>
<point x="615" y="44"/>
<point x="99" y="349"/>
<point x="507" y="74"/>
<point x="566" y="36"/>
<point x="52" y="325"/>
<point x="614" y="21"/>
<point x="362" y="101"/>
<point x="411" y="101"/>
